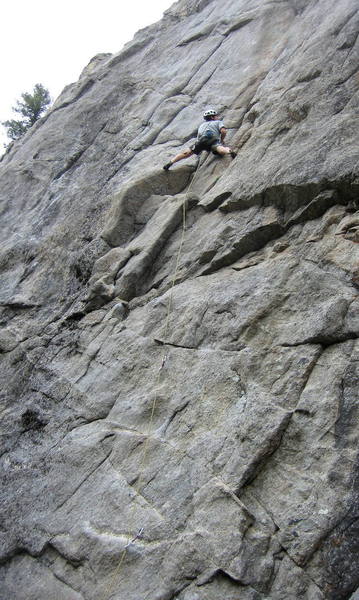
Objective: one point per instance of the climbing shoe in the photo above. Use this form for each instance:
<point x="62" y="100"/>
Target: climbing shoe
<point x="233" y="154"/>
<point x="167" y="166"/>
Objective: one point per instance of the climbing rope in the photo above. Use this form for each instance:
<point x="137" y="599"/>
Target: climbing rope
<point x="168" y="315"/>
<point x="164" y="357"/>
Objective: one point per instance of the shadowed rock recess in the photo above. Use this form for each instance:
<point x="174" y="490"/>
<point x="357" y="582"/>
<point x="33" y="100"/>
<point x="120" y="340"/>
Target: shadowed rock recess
<point x="179" y="350"/>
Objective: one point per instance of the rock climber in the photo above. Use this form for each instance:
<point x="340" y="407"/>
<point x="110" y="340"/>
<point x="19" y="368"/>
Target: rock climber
<point x="210" y="137"/>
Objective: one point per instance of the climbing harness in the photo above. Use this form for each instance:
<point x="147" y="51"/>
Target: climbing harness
<point x="205" y="142"/>
<point x="208" y="137"/>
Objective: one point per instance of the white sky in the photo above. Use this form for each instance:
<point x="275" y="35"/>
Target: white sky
<point x="51" y="42"/>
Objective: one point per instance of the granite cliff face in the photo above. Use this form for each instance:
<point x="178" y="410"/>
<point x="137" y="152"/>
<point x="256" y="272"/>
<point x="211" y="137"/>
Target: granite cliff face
<point x="179" y="410"/>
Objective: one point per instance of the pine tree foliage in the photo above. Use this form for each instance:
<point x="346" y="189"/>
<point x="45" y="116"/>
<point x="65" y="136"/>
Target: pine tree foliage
<point x="31" y="107"/>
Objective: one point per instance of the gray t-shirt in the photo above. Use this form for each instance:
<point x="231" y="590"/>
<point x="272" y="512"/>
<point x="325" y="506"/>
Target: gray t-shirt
<point x="212" y="126"/>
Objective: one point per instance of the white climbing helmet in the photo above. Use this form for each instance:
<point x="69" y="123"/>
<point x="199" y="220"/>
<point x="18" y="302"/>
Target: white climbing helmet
<point x="210" y="112"/>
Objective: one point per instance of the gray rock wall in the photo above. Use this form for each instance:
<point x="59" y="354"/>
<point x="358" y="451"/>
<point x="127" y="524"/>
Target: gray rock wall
<point x="179" y="406"/>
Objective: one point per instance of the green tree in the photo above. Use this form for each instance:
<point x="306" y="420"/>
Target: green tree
<point x="30" y="108"/>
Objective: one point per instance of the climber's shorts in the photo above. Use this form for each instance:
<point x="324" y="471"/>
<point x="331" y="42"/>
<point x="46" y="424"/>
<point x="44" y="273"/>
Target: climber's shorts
<point x="198" y="147"/>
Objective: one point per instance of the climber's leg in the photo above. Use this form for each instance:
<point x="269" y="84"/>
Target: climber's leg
<point x="184" y="154"/>
<point x="223" y="150"/>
